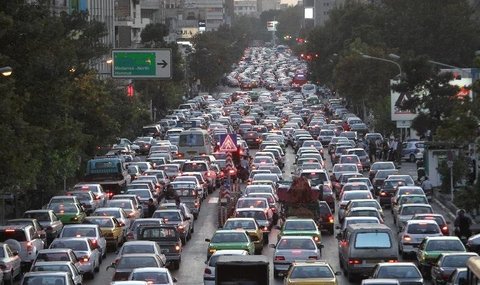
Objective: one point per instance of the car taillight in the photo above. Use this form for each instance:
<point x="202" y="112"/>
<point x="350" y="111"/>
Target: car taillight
<point x="131" y="214"/>
<point x="316" y="239"/>
<point x="177" y="247"/>
<point x="130" y="236"/>
<point x="383" y="194"/>
<point x="354" y="261"/>
<point x="278" y="258"/>
<point x="313" y="257"/>
<point x="208" y="174"/>
<point x="407" y="238"/>
<point x="109" y="194"/>
<point x="444" y="229"/>
<point x="208" y="271"/>
<point x="231" y="171"/>
<point x="84" y="259"/>
<point x="265" y="229"/>
<point x="330" y="219"/>
<point x="29" y="246"/>
<point x="392" y="261"/>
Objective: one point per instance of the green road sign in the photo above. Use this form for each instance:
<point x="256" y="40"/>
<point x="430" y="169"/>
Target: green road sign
<point x="142" y="63"/>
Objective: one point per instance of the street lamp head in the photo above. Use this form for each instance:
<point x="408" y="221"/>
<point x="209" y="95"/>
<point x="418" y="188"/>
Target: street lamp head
<point x="6" y="71"/>
<point x="366" y="56"/>
<point x="393" y="56"/>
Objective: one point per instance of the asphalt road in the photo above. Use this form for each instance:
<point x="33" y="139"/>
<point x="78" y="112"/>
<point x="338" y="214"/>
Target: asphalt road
<point x="194" y="253"/>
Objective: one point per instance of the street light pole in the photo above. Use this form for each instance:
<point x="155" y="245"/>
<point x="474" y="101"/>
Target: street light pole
<point x="385" y="60"/>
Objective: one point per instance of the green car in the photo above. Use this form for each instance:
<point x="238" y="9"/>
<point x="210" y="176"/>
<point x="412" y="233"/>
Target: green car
<point x="230" y="239"/>
<point x="68" y="213"/>
<point x="300" y="227"/>
<point x="431" y="247"/>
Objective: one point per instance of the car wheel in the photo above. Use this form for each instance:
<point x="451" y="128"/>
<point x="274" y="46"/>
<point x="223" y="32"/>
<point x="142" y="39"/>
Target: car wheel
<point x="412" y="157"/>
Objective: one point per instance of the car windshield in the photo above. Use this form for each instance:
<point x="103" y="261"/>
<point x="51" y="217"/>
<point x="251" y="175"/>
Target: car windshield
<point x="423" y="228"/>
<point x="299" y="226"/>
<point x="72" y="244"/>
<point x="44" y="279"/>
<point x="306" y="244"/>
<point x="445" y="245"/>
<point x="398" y="272"/>
<point x="237" y="224"/>
<point x="229" y="237"/>
<point x="137" y="248"/>
<point x="151" y="277"/>
<point x="311" y="272"/>
<point x="406" y="199"/>
<point x="378" y="166"/>
<point x="79" y="232"/>
<point x="126" y="205"/>
<point x="132" y="262"/>
<point x="344" y="168"/>
<point x="194" y="167"/>
<point x="373" y="240"/>
<point x="356" y="195"/>
<point x="140" y="193"/>
<point x="455" y="260"/>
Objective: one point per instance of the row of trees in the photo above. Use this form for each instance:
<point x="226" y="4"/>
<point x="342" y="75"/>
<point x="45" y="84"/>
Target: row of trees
<point x="54" y="111"/>
<point x="443" y="31"/>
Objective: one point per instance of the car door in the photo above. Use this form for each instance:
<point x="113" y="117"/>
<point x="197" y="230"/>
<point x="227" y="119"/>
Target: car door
<point x="14" y="260"/>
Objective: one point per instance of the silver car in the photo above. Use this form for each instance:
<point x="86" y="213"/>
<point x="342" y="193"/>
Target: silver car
<point x="405" y="272"/>
<point x="48" y="220"/>
<point x="141" y="246"/>
<point x="407" y="211"/>
<point x="209" y="272"/>
<point x="291" y="248"/>
<point x="62" y="266"/>
<point x="414" y="232"/>
<point x="22" y="239"/>
<point x="12" y="264"/>
<point x="91" y="231"/>
<point x="63" y="278"/>
<point x="85" y="250"/>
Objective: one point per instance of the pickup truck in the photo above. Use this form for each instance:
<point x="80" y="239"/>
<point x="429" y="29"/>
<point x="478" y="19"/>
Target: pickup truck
<point x="167" y="238"/>
<point x="109" y="172"/>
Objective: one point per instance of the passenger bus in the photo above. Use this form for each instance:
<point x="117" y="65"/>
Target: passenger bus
<point x="473" y="271"/>
<point x="193" y="142"/>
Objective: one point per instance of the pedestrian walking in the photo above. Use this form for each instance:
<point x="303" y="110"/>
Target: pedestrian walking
<point x="462" y="225"/>
<point x="372" y="150"/>
<point x="398" y="152"/>
<point x="151" y="208"/>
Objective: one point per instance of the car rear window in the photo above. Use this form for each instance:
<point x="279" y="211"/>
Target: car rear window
<point x="17" y="235"/>
<point x="455" y="261"/>
<point x="373" y="240"/>
<point x="423" y="228"/>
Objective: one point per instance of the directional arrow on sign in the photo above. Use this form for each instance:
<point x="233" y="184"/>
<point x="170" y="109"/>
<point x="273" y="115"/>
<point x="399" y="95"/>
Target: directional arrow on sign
<point x="163" y="64"/>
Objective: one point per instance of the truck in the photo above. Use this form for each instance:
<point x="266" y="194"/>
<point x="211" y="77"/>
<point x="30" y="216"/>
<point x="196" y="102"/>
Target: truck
<point x="242" y="269"/>
<point x="300" y="200"/>
<point x="109" y="172"/>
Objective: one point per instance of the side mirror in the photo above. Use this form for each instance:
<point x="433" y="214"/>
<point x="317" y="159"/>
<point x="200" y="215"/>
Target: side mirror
<point x="207" y="240"/>
<point x="272" y="246"/>
<point x="338" y="273"/>
<point x="337" y="227"/>
<point x="320" y="246"/>
<point x="174" y="280"/>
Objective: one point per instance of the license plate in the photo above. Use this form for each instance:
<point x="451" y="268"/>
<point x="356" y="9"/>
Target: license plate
<point x="165" y="250"/>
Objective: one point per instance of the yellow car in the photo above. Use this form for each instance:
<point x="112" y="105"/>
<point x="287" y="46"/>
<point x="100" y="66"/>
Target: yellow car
<point x="251" y="227"/>
<point x="111" y="228"/>
<point x="311" y="273"/>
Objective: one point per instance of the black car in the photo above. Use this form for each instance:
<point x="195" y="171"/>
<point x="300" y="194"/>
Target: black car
<point x="325" y="220"/>
<point x="253" y="139"/>
<point x="167" y="237"/>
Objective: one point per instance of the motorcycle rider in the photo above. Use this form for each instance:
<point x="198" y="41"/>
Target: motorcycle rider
<point x="462" y="225"/>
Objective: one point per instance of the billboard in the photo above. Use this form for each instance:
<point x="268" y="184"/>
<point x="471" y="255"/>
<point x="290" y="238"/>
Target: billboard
<point x="308" y="12"/>
<point x="397" y="100"/>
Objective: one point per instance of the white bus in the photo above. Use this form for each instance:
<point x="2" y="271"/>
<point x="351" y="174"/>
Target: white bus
<point x="193" y="142"/>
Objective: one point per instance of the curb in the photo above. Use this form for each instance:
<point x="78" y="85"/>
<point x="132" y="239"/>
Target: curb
<point x="444" y="208"/>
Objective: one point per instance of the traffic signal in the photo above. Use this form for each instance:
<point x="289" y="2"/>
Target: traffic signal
<point x="130" y="90"/>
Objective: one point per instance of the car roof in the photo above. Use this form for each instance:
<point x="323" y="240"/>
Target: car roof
<point x="151" y="269"/>
<point x="230" y="252"/>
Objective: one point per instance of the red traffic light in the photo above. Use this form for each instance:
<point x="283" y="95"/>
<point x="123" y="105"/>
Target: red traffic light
<point x="130" y="90"/>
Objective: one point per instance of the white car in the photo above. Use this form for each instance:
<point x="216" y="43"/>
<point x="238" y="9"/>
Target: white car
<point x="153" y="275"/>
<point x="86" y="252"/>
<point x="63" y="266"/>
<point x="209" y="272"/>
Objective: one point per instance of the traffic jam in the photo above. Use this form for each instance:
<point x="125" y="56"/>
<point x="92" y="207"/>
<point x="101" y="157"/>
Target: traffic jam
<point x="304" y="199"/>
